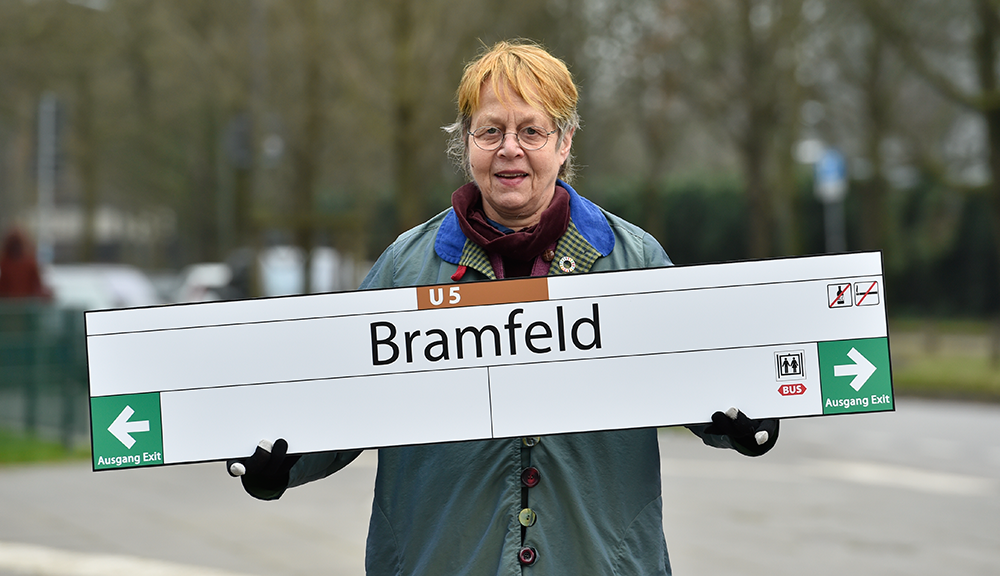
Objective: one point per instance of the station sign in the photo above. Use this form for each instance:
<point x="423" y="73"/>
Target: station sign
<point x="781" y="338"/>
<point x="831" y="177"/>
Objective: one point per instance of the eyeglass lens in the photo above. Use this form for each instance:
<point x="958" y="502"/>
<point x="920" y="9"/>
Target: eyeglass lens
<point x="529" y="137"/>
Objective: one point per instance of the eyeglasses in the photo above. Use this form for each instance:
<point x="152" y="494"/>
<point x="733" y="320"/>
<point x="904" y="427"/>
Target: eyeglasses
<point x="530" y="138"/>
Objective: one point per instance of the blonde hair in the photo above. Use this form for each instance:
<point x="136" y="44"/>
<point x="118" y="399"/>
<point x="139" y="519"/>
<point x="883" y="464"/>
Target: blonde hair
<point x="540" y="79"/>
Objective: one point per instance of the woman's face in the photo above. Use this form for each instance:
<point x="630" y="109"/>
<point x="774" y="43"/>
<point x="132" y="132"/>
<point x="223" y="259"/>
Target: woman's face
<point x="516" y="184"/>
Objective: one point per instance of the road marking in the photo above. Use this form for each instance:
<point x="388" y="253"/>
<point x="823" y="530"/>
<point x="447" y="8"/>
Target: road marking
<point x="877" y="474"/>
<point x="862" y="369"/>
<point x="45" y="561"/>
<point x="851" y="471"/>
<point x="122" y="428"/>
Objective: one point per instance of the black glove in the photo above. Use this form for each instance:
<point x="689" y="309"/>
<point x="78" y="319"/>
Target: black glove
<point x="265" y="473"/>
<point x="749" y="437"/>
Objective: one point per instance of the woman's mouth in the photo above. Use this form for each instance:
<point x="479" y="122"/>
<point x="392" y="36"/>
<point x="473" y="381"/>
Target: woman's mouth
<point x="511" y="175"/>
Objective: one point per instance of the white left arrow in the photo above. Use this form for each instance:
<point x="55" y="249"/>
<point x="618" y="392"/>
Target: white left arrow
<point x="862" y="369"/>
<point x="122" y="428"/>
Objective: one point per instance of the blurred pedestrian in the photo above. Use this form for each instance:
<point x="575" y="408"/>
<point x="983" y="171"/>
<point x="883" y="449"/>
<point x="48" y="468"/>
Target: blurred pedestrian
<point x="568" y="504"/>
<point x="19" y="275"/>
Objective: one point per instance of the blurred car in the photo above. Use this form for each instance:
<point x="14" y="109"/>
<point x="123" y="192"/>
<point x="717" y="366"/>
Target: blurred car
<point x="203" y="282"/>
<point x="281" y="270"/>
<point x="100" y="286"/>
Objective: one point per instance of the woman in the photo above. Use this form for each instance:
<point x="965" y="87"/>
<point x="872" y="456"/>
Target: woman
<point x="567" y="504"/>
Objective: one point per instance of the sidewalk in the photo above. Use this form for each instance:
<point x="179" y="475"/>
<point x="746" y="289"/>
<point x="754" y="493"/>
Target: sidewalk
<point x="914" y="492"/>
<point x="195" y="517"/>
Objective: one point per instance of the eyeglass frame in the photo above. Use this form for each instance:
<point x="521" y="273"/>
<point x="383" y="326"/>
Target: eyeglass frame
<point x="517" y="138"/>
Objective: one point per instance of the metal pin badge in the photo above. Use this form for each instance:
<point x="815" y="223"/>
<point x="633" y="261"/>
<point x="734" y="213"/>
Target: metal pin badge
<point x="567" y="264"/>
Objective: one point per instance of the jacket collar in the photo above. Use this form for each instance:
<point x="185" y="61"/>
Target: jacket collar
<point x="588" y="237"/>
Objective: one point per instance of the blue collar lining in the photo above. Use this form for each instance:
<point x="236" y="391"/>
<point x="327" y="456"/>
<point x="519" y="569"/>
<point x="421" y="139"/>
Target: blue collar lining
<point x="589" y="220"/>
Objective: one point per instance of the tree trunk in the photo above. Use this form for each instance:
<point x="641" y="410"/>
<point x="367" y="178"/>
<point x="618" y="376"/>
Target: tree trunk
<point x="788" y="235"/>
<point x="409" y="186"/>
<point x="306" y="169"/>
<point x="753" y="141"/>
<point x="758" y="201"/>
<point x="985" y="46"/>
<point x="874" y="210"/>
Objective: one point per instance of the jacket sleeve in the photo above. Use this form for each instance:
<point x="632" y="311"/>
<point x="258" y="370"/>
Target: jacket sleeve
<point x="654" y="254"/>
<point x="307" y="468"/>
<point x="382" y="274"/>
<point x="714" y="440"/>
<point x="319" y="465"/>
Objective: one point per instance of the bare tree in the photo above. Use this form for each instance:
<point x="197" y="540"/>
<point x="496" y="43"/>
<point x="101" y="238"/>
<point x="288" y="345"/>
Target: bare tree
<point x="953" y="47"/>
<point x="731" y="64"/>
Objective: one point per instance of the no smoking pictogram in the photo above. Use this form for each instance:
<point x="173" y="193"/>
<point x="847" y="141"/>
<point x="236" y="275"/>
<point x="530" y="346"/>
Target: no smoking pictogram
<point x="866" y="293"/>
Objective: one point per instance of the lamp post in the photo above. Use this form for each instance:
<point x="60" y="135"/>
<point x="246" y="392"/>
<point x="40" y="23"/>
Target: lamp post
<point x="831" y="189"/>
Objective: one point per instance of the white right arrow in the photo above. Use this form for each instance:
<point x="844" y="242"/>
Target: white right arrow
<point x="862" y="369"/>
<point x="122" y="428"/>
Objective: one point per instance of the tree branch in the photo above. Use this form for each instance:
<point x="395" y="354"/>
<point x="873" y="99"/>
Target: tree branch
<point x="885" y="24"/>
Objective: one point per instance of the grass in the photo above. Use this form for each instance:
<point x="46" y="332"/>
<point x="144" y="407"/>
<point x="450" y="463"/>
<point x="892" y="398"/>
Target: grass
<point x="965" y="326"/>
<point x="951" y="359"/>
<point x="974" y="379"/>
<point x="17" y="448"/>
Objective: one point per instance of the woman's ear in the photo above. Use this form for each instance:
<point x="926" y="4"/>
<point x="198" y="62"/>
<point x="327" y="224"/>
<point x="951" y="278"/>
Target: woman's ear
<point x="566" y="142"/>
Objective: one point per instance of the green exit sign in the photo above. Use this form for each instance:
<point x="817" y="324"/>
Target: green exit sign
<point x="855" y="376"/>
<point x="126" y="431"/>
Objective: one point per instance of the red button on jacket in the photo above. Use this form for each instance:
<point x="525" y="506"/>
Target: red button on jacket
<point x="530" y="477"/>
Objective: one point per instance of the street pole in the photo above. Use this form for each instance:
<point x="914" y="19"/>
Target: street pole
<point x="834" y="224"/>
<point x="831" y="189"/>
<point x="46" y="176"/>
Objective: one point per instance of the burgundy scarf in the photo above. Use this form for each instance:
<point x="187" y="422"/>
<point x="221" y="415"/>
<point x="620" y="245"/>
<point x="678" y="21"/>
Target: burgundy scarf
<point x="514" y="254"/>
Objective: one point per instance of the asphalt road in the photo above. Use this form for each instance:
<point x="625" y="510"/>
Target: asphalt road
<point x="912" y="492"/>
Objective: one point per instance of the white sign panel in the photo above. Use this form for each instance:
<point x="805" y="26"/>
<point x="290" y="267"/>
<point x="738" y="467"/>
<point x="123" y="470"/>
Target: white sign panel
<point x="655" y="347"/>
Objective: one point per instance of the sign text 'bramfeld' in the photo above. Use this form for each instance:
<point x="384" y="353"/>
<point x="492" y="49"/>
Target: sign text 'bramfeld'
<point x="601" y="351"/>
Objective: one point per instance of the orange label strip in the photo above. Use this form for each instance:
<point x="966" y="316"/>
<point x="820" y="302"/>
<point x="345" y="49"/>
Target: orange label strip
<point x="482" y="293"/>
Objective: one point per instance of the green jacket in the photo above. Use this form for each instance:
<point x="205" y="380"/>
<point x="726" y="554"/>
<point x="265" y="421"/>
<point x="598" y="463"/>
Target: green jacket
<point x="451" y="509"/>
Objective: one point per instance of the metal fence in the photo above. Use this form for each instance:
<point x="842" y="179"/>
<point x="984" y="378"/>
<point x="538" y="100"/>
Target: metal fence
<point x="43" y="371"/>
